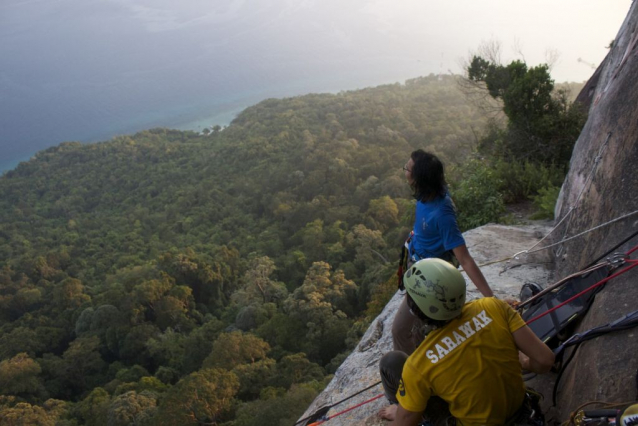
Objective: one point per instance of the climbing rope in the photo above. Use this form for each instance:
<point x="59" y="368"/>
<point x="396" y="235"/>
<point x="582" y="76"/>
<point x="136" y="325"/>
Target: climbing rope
<point x="530" y="251"/>
<point x="325" y="409"/>
<point x="568" y="216"/>
<point x="589" y="179"/>
<point x="633" y="264"/>
<point x="626" y="322"/>
<point x="608" y="252"/>
<point x="325" y="419"/>
<point x="492" y="262"/>
<point x="577" y="339"/>
<point x="575" y="205"/>
<point x="561" y="282"/>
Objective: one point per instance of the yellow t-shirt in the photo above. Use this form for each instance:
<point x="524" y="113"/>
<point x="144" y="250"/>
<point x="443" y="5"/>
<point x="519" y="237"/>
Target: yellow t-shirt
<point x="471" y="363"/>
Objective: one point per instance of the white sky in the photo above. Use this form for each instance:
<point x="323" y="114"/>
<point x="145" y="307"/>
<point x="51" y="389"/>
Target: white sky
<point x="434" y="32"/>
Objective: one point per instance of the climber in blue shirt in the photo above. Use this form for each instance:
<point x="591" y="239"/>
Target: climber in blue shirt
<point x="435" y="234"/>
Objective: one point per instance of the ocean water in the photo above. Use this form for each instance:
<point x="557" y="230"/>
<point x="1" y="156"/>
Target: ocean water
<point x="50" y="122"/>
<point x="87" y="71"/>
<point x="77" y="70"/>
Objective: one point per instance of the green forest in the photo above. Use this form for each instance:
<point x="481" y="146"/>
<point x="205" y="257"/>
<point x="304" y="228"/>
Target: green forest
<point x="220" y="278"/>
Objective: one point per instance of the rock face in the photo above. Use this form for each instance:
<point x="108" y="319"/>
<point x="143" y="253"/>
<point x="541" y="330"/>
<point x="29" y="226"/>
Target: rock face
<point x="361" y="368"/>
<point x="600" y="191"/>
<point x="602" y="186"/>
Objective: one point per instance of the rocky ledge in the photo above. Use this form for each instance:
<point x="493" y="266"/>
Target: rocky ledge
<point x="491" y="247"/>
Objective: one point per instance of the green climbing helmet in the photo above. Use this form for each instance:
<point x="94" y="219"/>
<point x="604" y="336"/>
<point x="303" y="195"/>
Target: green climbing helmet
<point x="437" y="288"/>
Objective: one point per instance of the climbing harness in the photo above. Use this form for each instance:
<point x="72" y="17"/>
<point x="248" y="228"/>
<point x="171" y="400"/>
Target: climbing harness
<point x="530" y="413"/>
<point x="407" y="260"/>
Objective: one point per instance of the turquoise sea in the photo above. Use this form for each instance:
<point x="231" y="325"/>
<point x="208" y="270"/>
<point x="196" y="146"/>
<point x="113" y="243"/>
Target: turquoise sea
<point x="77" y="70"/>
<point x="88" y="71"/>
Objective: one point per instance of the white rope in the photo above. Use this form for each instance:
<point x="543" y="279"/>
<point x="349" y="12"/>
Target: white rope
<point x="529" y="251"/>
<point x="599" y="156"/>
<point x="574" y="206"/>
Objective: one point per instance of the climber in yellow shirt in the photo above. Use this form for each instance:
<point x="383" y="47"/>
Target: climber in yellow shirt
<point x="469" y="363"/>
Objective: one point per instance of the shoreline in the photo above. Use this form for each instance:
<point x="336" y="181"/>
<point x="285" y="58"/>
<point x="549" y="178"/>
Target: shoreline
<point x="221" y="118"/>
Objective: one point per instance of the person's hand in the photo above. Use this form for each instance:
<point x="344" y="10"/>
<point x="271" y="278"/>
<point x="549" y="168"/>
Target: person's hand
<point x="509" y="300"/>
<point x="512" y="302"/>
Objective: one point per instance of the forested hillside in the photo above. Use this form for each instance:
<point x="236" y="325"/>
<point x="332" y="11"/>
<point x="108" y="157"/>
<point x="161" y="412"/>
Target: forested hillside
<point x="181" y="278"/>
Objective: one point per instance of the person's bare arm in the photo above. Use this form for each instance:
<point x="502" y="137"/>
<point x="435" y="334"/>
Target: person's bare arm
<point x="472" y="270"/>
<point x="537" y="357"/>
<point x="406" y="418"/>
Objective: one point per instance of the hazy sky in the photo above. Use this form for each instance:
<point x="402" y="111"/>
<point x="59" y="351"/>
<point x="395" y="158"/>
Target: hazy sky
<point x="86" y="70"/>
<point x="434" y="32"/>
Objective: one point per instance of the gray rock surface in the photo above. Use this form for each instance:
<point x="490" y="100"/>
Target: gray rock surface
<point x="360" y="370"/>
<point x="601" y="187"/>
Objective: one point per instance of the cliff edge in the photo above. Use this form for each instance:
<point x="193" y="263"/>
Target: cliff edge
<point x="361" y="369"/>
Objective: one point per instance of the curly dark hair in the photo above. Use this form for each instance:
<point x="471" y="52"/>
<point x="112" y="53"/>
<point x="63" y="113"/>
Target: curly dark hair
<point x="428" y="177"/>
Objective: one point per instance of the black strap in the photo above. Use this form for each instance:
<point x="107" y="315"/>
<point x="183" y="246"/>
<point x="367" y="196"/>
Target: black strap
<point x="402" y="261"/>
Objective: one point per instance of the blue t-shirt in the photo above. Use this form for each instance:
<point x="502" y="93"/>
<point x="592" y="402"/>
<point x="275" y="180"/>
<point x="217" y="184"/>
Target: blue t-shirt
<point x="435" y="229"/>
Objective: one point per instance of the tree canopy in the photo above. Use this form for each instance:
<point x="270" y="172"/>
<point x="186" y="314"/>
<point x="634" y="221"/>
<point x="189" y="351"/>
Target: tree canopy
<point x="172" y="277"/>
<point x="542" y="125"/>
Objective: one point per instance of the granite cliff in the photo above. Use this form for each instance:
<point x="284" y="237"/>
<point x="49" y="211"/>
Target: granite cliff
<point x="600" y="191"/>
<point x="598" y="207"/>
